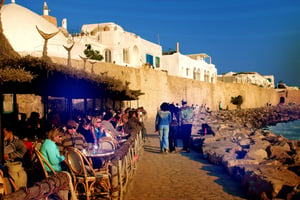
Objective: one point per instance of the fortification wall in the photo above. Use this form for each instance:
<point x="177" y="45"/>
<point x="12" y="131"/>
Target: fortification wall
<point x="158" y="87"/>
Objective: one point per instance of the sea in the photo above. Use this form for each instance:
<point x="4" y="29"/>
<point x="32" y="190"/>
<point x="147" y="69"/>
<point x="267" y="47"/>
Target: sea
<point x="290" y="130"/>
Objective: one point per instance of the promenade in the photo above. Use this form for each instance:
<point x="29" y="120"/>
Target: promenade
<point x="180" y="176"/>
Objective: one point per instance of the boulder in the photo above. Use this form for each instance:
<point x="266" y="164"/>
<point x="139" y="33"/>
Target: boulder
<point x="257" y="154"/>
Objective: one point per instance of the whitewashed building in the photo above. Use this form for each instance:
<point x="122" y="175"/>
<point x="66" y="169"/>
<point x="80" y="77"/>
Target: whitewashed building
<point x="194" y="66"/>
<point x="120" y="47"/>
<point x="19" y="26"/>
<point x="248" y="77"/>
<point x="114" y="43"/>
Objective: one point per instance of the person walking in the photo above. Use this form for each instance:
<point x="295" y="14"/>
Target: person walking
<point x="173" y="132"/>
<point x="162" y="121"/>
<point x="186" y="117"/>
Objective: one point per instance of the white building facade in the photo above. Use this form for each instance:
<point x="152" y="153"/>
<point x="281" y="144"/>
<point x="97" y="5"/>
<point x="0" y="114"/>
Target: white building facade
<point x="114" y="43"/>
<point x="196" y="66"/>
<point x="121" y="47"/>
<point x="248" y="77"/>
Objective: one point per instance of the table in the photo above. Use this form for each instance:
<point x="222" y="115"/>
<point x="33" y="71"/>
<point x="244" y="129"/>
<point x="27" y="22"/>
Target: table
<point x="103" y="156"/>
<point x="100" y="154"/>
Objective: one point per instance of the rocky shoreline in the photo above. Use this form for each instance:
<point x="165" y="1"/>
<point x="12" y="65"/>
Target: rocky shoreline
<point x="267" y="165"/>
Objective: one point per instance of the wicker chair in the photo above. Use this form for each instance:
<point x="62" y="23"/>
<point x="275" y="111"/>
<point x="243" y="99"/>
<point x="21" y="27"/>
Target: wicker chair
<point x="83" y="174"/>
<point x="43" y="161"/>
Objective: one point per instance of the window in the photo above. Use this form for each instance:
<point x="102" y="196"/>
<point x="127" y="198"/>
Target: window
<point x="195" y="74"/>
<point x="149" y="59"/>
<point x="157" y="62"/>
<point x="125" y="56"/>
<point x="187" y="71"/>
<point x="108" y="56"/>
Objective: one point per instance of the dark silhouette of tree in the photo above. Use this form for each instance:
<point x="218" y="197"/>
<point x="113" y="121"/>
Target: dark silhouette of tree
<point x="238" y="100"/>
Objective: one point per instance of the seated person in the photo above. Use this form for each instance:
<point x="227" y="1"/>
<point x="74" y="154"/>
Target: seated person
<point x="122" y="125"/>
<point x="134" y="124"/>
<point x="97" y="128"/>
<point x="14" y="148"/>
<point x="50" y="150"/>
<point x="108" y="126"/>
<point x="71" y="138"/>
<point x="85" y="129"/>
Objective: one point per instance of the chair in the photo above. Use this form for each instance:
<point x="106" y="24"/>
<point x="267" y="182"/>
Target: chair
<point x="43" y="161"/>
<point x="106" y="143"/>
<point x="83" y="173"/>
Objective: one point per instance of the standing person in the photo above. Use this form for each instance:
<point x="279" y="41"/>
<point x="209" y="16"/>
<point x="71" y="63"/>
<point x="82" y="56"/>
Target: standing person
<point x="50" y="150"/>
<point x="173" y="132"/>
<point x="186" y="117"/>
<point x="162" y="121"/>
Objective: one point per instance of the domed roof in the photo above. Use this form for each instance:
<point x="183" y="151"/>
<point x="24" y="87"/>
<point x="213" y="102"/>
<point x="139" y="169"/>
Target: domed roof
<point x="19" y="27"/>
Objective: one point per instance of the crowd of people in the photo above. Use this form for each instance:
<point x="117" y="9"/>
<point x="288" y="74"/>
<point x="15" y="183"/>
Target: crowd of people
<point x="81" y="132"/>
<point x="174" y="123"/>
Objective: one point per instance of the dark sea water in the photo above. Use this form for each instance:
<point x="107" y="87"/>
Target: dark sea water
<point x="290" y="130"/>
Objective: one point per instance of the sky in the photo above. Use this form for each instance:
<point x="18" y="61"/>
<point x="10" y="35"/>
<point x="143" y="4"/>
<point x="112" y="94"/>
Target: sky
<point x="240" y="35"/>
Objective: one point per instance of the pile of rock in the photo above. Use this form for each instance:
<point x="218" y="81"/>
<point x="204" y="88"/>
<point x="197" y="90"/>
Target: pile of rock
<point x="267" y="165"/>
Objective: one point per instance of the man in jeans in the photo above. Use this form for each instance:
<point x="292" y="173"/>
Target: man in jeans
<point x="186" y="117"/>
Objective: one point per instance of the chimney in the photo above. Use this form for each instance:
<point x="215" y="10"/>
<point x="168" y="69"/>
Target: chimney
<point x="177" y="47"/>
<point x="46" y="10"/>
<point x="64" y="23"/>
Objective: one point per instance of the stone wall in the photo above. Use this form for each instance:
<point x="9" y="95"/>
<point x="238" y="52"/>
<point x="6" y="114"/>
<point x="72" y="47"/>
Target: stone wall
<point x="158" y="87"/>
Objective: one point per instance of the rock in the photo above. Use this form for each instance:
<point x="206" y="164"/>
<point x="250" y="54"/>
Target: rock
<point x="257" y="154"/>
<point x="265" y="163"/>
<point x="245" y="143"/>
<point x="280" y="153"/>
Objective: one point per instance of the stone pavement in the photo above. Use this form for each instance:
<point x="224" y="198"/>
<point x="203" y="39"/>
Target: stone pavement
<point x="179" y="176"/>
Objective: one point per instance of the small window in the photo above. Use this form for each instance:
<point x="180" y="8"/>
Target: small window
<point x="149" y="59"/>
<point x="157" y="62"/>
<point x="108" y="56"/>
<point x="125" y="56"/>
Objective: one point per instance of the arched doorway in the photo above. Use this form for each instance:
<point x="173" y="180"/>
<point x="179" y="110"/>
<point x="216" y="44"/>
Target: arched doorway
<point x="281" y="100"/>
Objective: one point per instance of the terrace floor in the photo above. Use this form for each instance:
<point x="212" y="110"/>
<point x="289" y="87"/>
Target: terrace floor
<point x="184" y="176"/>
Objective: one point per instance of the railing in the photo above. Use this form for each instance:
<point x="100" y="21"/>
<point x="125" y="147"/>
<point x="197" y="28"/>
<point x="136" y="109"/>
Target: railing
<point x="124" y="163"/>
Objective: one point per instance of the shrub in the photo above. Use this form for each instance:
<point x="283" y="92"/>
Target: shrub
<point x="93" y="54"/>
<point x="238" y="100"/>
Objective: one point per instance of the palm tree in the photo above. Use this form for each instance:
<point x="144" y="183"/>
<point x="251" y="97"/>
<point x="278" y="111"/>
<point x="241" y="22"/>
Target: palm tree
<point x="6" y="50"/>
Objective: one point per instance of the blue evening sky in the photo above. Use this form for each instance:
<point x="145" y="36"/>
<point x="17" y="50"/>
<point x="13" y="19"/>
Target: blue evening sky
<point x="240" y="35"/>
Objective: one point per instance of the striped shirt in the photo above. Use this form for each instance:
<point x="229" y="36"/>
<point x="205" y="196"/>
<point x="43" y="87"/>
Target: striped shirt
<point x="78" y="141"/>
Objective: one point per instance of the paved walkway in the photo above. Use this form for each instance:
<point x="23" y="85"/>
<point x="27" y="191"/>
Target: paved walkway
<point x="179" y="176"/>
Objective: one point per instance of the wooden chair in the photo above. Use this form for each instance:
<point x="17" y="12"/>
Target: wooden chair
<point x="84" y="174"/>
<point x="43" y="161"/>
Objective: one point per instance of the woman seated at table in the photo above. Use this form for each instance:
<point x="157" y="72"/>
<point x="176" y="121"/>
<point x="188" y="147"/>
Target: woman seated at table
<point x="122" y="124"/>
<point x="96" y="128"/>
<point x="50" y="150"/>
<point x="85" y="128"/>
